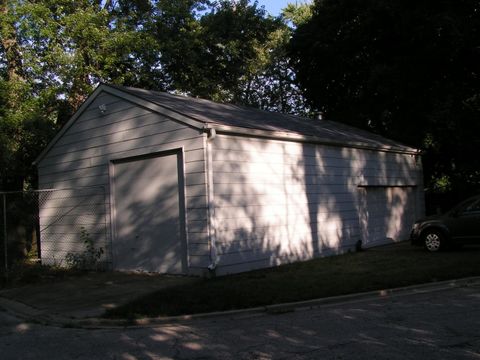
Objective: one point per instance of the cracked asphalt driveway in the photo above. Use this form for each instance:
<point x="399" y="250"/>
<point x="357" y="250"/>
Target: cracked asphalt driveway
<point x="435" y="325"/>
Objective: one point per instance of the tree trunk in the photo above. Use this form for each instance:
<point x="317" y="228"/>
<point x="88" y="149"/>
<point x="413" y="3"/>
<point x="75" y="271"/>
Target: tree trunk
<point x="10" y="44"/>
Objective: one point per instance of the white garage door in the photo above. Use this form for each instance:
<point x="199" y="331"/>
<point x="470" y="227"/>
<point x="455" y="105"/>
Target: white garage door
<point x="386" y="214"/>
<point x="148" y="215"/>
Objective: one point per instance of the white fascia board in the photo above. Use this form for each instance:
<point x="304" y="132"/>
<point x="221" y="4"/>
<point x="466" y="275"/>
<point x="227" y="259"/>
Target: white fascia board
<point x="286" y="136"/>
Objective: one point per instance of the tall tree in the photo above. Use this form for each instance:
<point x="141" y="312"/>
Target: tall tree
<point x="233" y="36"/>
<point x="211" y="49"/>
<point x="273" y="85"/>
<point x="74" y="45"/>
<point x="18" y="110"/>
<point x="229" y="51"/>
<point x="177" y="30"/>
<point x="405" y="69"/>
<point x="10" y="44"/>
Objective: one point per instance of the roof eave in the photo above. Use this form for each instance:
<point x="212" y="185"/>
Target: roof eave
<point x="287" y="136"/>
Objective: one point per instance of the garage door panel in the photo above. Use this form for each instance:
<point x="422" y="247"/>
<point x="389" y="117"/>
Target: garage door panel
<point x="148" y="234"/>
<point x="386" y="214"/>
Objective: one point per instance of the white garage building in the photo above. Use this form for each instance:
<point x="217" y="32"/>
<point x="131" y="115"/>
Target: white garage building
<point x="190" y="184"/>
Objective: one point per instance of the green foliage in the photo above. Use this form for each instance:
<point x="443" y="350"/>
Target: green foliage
<point x="233" y="52"/>
<point x="89" y="258"/>
<point x="26" y="124"/>
<point x="233" y="37"/>
<point x="272" y="85"/>
<point x="298" y="14"/>
<point x="407" y="70"/>
<point x="73" y="45"/>
<point x="175" y="26"/>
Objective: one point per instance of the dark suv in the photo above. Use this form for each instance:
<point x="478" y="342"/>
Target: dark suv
<point x="459" y="226"/>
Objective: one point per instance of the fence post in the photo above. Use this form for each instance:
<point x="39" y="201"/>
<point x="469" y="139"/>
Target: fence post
<point x="5" y="247"/>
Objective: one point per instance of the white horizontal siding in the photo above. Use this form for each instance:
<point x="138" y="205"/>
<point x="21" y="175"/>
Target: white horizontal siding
<point x="198" y="238"/>
<point x="278" y="209"/>
<point x="278" y="201"/>
<point x="121" y="147"/>
<point x="268" y="222"/>
<point x="247" y="262"/>
<point x="81" y="158"/>
<point x="73" y="219"/>
<point x="198" y="262"/>
<point x="164" y="128"/>
<point x="192" y="154"/>
<point x="131" y="121"/>
<point x="264" y="189"/>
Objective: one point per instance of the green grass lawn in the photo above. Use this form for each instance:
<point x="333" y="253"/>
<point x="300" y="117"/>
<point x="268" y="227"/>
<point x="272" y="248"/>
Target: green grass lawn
<point x="374" y="269"/>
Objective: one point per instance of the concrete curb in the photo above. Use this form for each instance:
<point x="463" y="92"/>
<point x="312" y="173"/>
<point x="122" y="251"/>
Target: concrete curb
<point x="32" y="314"/>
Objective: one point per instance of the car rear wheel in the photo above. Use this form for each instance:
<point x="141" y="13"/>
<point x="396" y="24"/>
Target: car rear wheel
<point x="433" y="240"/>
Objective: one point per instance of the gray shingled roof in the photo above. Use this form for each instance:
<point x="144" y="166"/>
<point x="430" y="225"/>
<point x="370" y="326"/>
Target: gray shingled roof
<point x="209" y="112"/>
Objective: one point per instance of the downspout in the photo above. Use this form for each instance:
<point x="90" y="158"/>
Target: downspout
<point x="211" y="134"/>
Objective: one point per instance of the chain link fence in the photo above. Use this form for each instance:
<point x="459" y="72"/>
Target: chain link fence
<point x="57" y="227"/>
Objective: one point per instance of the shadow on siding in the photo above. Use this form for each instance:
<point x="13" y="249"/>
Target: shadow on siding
<point x="278" y="202"/>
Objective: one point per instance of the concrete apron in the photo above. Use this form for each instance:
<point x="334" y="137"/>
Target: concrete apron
<point x="45" y="317"/>
<point x="90" y="295"/>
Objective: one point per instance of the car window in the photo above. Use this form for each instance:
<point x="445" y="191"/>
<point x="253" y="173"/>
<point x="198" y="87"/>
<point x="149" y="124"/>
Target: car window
<point x="473" y="207"/>
<point x="463" y="206"/>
